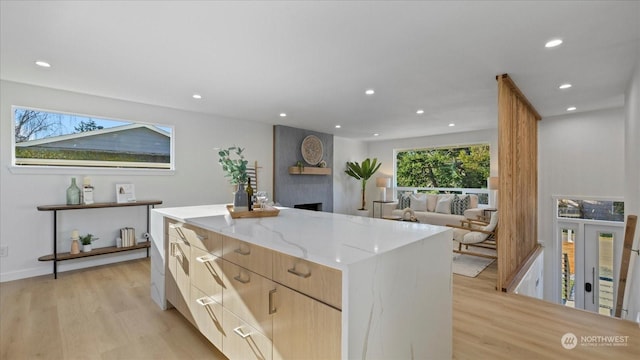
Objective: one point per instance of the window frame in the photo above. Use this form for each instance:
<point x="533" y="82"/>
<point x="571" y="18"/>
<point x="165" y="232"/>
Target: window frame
<point x="92" y="166"/>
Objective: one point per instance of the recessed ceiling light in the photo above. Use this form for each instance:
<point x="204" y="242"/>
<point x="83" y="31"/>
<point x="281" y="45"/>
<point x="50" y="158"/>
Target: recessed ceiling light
<point x="338" y="126"/>
<point x="420" y="111"/>
<point x="376" y="134"/>
<point x="283" y="115"/>
<point x="564" y="86"/>
<point x="196" y="96"/>
<point x="43" y="64"/>
<point x="370" y="92"/>
<point x="452" y="124"/>
<point x="571" y="108"/>
<point x="553" y="43"/>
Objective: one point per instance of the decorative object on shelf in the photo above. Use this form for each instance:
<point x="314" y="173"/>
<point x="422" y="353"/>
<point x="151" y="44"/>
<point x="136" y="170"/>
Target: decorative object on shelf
<point x="312" y="149"/>
<point x="75" y="246"/>
<point x="363" y="173"/>
<point x="266" y="211"/>
<point x="300" y="166"/>
<point x="87" y="191"/>
<point x="236" y="169"/>
<point x="86" y="241"/>
<point x="128" y="237"/>
<point x="383" y="182"/>
<point x="73" y="193"/>
<point x="125" y="193"/>
<point x="322" y="164"/>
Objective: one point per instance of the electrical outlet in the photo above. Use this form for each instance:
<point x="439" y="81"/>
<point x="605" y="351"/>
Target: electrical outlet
<point x="4" y="251"/>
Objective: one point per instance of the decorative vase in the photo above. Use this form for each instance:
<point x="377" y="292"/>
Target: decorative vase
<point x="75" y="246"/>
<point x="73" y="193"/>
<point x="86" y="248"/>
<point x="240" y="199"/>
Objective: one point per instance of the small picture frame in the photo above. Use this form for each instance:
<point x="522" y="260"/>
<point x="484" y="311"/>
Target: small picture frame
<point x="125" y="193"/>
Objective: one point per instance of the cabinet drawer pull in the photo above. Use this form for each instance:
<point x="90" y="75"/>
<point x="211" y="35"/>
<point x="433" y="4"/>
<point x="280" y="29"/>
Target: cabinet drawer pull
<point x="296" y="273"/>
<point x="201" y="237"/>
<point x="204" y="301"/>
<point x="239" y="279"/>
<point x="205" y="258"/>
<point x="183" y="238"/>
<point x="272" y="308"/>
<point x="238" y="331"/>
<point x="242" y="252"/>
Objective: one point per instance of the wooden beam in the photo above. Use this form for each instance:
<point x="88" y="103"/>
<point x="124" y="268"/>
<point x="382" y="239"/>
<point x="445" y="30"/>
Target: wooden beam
<point x="629" y="233"/>
<point x="507" y="80"/>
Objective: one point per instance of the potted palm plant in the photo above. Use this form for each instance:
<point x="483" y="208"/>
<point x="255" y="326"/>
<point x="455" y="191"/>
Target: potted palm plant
<point x="363" y="172"/>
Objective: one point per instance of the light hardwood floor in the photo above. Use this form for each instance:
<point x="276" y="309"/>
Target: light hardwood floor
<point x="106" y="313"/>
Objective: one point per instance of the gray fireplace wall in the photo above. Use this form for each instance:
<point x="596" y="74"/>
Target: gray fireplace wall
<point x="290" y="190"/>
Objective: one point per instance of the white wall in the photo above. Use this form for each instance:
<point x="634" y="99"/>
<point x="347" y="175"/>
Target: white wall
<point x="384" y="150"/>
<point x="632" y="188"/>
<point x="578" y="155"/>
<point x="532" y="283"/>
<point x="198" y="179"/>
<point x="346" y="190"/>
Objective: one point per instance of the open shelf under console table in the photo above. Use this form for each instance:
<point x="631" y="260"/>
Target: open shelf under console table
<point x="55" y="257"/>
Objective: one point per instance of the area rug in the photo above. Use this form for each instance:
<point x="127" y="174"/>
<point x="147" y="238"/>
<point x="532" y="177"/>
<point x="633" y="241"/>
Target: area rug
<point x="469" y="265"/>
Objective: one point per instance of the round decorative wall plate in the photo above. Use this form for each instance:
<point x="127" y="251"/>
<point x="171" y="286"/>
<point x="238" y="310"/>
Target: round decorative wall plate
<point x="312" y="149"/>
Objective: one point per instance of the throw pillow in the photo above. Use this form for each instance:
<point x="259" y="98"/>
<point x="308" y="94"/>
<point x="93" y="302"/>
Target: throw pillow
<point x="444" y="205"/>
<point x="459" y="204"/>
<point x="419" y="202"/>
<point x="432" y="201"/>
<point x="404" y="201"/>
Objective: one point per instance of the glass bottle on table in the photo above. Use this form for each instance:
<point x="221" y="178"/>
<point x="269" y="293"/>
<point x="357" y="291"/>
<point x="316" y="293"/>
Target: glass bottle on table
<point x="250" y="195"/>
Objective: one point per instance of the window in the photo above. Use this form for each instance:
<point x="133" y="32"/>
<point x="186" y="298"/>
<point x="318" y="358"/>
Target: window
<point x="451" y="167"/>
<point x="445" y="169"/>
<point x="53" y="139"/>
<point x="606" y="210"/>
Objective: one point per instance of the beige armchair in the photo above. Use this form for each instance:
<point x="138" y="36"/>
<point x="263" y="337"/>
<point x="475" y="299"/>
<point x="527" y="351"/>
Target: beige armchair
<point x="475" y="233"/>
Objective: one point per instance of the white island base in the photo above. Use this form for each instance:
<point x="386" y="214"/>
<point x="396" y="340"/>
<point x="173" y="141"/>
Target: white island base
<point x="395" y="292"/>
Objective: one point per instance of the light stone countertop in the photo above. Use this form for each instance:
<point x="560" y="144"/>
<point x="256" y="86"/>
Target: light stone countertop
<point x="329" y="239"/>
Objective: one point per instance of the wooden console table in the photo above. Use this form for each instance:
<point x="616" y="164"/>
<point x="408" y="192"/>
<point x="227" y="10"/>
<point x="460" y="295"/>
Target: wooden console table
<point x="55" y="257"/>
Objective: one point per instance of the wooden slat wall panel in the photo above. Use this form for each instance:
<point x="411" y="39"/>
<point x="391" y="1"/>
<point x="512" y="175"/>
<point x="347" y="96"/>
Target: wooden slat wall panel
<point x="518" y="174"/>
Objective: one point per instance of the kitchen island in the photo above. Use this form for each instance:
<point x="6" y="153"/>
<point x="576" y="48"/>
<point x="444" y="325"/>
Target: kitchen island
<point x="313" y="283"/>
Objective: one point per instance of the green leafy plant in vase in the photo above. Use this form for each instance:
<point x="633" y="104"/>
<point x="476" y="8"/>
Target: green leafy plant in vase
<point x="86" y="241"/>
<point x="363" y="172"/>
<point x="235" y="167"/>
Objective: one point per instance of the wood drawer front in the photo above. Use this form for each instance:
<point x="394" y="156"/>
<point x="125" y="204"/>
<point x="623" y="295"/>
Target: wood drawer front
<point x="249" y="296"/>
<point x="318" y="281"/>
<point x="206" y="272"/>
<point x="207" y="315"/>
<point x="197" y="237"/>
<point x="250" y="256"/>
<point x="178" y="281"/>
<point x="241" y="341"/>
<point x="204" y="239"/>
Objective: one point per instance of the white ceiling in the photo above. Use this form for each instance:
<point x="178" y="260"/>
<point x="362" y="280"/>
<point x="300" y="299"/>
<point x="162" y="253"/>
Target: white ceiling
<point x="314" y="60"/>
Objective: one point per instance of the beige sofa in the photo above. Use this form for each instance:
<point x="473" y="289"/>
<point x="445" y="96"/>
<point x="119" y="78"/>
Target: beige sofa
<point x="433" y="209"/>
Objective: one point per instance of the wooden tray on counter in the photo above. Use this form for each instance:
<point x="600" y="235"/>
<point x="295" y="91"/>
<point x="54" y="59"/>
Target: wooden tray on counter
<point x="256" y="213"/>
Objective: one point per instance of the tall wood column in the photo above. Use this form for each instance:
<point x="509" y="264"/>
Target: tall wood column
<point x="518" y="180"/>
